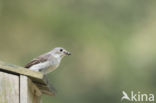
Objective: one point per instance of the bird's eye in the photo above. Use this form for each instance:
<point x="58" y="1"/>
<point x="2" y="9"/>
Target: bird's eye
<point x="61" y="50"/>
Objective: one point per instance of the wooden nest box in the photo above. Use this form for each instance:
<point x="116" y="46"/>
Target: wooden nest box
<point x="20" y="85"/>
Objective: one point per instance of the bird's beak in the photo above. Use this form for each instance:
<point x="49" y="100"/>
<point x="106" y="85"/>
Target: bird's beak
<point x="67" y="53"/>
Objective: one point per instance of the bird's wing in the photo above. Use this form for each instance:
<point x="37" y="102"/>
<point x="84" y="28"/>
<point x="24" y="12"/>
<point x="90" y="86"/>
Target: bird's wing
<point x="37" y="60"/>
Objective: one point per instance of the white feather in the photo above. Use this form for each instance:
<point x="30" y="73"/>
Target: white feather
<point x="40" y="66"/>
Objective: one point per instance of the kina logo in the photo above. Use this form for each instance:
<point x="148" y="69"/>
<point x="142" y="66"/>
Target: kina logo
<point x="140" y="97"/>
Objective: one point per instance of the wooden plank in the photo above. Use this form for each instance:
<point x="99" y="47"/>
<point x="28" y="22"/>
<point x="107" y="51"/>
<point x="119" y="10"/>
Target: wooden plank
<point x="34" y="88"/>
<point x="29" y="93"/>
<point x="43" y="88"/>
<point x="23" y="89"/>
<point x="20" y="70"/>
<point x="36" y="77"/>
<point x="46" y="89"/>
<point x="9" y="88"/>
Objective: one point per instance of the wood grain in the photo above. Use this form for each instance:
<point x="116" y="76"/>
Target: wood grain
<point x="9" y="88"/>
<point x="29" y="93"/>
<point x="36" y="77"/>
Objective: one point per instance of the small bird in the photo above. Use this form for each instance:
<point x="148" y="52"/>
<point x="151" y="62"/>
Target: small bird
<point x="125" y="96"/>
<point x="48" y="62"/>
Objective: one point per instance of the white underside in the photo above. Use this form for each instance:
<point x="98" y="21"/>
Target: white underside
<point x="39" y="66"/>
<point x="44" y="67"/>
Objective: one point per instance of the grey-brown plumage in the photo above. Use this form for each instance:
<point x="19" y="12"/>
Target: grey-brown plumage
<point x="37" y="60"/>
<point x="49" y="61"/>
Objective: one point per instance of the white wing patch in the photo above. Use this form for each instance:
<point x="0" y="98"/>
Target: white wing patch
<point x="40" y="66"/>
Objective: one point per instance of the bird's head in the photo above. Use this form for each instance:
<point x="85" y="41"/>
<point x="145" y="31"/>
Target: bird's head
<point x="61" y="52"/>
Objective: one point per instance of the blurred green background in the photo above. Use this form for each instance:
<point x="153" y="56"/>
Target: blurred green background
<point x="112" y="44"/>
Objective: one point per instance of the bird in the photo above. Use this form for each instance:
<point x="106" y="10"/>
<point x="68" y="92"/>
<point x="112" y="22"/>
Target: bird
<point x="47" y="62"/>
<point x="125" y="96"/>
